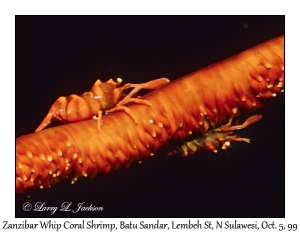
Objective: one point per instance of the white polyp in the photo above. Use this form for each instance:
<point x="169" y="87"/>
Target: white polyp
<point x="151" y="121"/>
<point x="97" y="97"/>
<point x="95" y="117"/>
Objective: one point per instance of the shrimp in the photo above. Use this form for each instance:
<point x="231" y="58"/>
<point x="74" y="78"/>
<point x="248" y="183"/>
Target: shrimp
<point x="103" y="97"/>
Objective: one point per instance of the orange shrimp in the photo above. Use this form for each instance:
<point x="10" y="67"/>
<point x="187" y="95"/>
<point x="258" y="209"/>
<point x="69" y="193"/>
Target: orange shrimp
<point x="103" y="97"/>
<point x="215" y="138"/>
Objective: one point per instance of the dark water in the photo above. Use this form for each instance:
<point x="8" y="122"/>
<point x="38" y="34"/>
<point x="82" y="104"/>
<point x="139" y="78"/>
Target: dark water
<point x="59" y="56"/>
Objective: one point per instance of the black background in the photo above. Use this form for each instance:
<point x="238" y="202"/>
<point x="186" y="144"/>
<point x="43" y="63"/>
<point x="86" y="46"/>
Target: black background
<point x="63" y="55"/>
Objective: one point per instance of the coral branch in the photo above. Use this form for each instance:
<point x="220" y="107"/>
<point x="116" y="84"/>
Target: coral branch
<point x="195" y="102"/>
